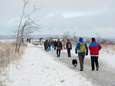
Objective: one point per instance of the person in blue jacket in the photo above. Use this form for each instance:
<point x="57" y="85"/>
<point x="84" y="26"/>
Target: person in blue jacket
<point x="82" y="50"/>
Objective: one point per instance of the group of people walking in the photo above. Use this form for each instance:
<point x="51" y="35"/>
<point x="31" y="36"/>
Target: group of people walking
<point x="58" y="45"/>
<point x="48" y="44"/>
<point x="81" y="49"/>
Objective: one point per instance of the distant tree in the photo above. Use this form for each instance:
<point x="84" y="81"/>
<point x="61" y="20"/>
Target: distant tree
<point x="26" y="26"/>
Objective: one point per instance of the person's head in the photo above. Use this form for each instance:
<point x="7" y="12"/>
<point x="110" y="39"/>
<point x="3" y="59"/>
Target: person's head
<point x="58" y="39"/>
<point x="93" y="40"/>
<point x="80" y="39"/>
<point x="68" y="40"/>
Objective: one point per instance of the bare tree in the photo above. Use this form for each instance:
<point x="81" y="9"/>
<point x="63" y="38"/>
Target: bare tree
<point x="26" y="25"/>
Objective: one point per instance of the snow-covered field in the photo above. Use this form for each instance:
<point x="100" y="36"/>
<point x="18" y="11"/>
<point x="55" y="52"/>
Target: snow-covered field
<point x="40" y="68"/>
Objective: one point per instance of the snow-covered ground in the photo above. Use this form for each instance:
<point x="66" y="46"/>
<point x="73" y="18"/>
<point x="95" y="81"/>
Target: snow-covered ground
<point x="107" y="55"/>
<point x="40" y="68"/>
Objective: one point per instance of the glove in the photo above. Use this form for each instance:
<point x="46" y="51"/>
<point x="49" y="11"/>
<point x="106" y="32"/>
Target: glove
<point x="76" y="51"/>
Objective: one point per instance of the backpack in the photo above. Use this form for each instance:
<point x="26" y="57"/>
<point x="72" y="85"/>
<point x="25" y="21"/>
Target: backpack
<point x="69" y="45"/>
<point x="82" y="47"/>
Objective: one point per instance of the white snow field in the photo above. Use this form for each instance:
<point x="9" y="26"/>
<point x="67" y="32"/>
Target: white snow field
<point x="40" y="68"/>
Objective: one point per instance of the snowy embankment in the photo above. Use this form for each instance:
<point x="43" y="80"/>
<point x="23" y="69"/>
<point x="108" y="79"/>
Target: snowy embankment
<point x="38" y="68"/>
<point x="107" y="55"/>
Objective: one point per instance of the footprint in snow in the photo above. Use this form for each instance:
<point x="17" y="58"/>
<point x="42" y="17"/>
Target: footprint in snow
<point x="62" y="81"/>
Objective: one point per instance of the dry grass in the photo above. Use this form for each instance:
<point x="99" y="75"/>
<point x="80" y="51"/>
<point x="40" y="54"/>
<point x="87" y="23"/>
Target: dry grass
<point x="7" y="53"/>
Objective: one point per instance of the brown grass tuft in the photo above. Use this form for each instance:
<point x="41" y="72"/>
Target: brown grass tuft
<point x="7" y="53"/>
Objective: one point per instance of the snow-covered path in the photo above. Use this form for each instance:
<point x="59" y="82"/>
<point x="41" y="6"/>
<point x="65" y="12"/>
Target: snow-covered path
<point x="38" y="68"/>
<point x="104" y="77"/>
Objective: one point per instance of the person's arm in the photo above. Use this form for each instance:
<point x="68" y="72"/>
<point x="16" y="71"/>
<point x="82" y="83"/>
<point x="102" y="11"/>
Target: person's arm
<point x="61" y="44"/>
<point x="76" y="48"/>
<point x="66" y="45"/>
<point x="86" y="49"/>
<point x="71" y="45"/>
<point x="99" y="46"/>
<point x="89" y="46"/>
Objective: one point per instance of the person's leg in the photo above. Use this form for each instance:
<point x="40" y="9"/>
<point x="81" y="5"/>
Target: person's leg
<point x="54" y="47"/>
<point x="69" y="52"/>
<point x="49" y="48"/>
<point x="81" y="63"/>
<point x="97" y="63"/>
<point x="57" y="52"/>
<point x="92" y="63"/>
<point x="46" y="48"/>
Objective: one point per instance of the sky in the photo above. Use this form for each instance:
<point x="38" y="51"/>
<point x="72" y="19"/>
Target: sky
<point x="80" y="17"/>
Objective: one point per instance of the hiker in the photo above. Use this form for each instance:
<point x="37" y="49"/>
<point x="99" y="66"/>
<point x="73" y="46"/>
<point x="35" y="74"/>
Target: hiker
<point x="82" y="50"/>
<point x="68" y="47"/>
<point x="49" y="45"/>
<point x="94" y="48"/>
<point x="29" y="40"/>
<point x="59" y="48"/>
<point x="55" y="45"/>
<point x="46" y="45"/>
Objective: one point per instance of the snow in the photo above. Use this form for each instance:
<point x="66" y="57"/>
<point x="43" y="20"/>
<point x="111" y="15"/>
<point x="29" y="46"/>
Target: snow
<point x="40" y="68"/>
<point x="107" y="55"/>
<point x="37" y="68"/>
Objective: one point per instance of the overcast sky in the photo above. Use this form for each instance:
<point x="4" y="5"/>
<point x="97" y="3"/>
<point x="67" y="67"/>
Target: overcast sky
<point x="83" y="17"/>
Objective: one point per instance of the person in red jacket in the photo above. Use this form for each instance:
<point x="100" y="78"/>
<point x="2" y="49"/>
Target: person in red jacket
<point x="94" y="48"/>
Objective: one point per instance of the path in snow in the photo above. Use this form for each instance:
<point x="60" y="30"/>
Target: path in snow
<point x="104" y="77"/>
<point x="37" y="68"/>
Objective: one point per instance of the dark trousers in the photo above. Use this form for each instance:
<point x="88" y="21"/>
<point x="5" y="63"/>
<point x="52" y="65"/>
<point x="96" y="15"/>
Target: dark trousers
<point x="69" y="52"/>
<point x="58" y="52"/>
<point x="81" y="61"/>
<point x="94" y="62"/>
<point x="54" y="47"/>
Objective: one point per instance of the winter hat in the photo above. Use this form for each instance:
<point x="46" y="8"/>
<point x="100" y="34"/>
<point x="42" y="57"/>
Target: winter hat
<point x="68" y="39"/>
<point x="58" y="39"/>
<point x="93" y="40"/>
<point x="80" y="39"/>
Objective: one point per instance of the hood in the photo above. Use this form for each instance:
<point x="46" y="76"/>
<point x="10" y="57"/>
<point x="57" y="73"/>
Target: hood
<point x="93" y="40"/>
<point x="80" y="39"/>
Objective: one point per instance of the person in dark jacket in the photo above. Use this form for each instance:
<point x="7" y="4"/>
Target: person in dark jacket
<point x="68" y="47"/>
<point x="82" y="50"/>
<point x="49" y="45"/>
<point x="46" y="45"/>
<point x="55" y="45"/>
<point x="59" y="47"/>
<point x="94" y="48"/>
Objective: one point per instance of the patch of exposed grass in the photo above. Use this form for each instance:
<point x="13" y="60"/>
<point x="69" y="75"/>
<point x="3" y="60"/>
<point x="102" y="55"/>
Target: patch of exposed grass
<point x="7" y="53"/>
